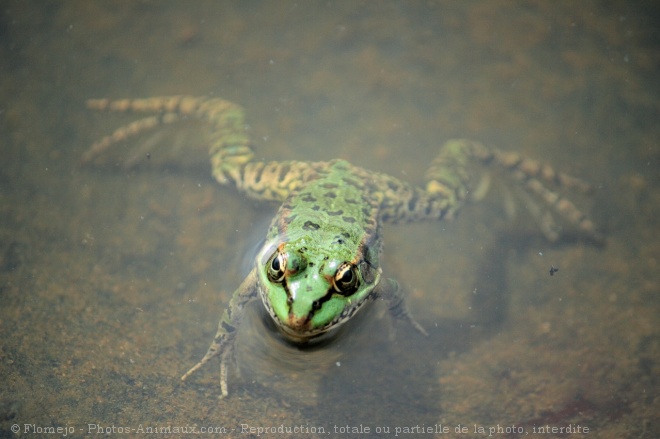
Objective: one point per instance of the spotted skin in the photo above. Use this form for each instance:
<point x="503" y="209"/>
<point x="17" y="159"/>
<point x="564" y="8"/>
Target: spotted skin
<point x="320" y="263"/>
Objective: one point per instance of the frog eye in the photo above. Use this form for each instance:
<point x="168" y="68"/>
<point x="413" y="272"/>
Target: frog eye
<point x="276" y="267"/>
<point x="345" y="281"/>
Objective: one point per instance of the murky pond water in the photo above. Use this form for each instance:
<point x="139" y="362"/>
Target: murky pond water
<point x="112" y="278"/>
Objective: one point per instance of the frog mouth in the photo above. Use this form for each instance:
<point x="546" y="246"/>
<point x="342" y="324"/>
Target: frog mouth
<point x="297" y="329"/>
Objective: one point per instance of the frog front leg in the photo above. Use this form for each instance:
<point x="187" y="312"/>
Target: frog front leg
<point x="223" y="342"/>
<point x="389" y="291"/>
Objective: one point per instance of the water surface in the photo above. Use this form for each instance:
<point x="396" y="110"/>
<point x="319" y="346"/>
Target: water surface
<point x="112" y="279"/>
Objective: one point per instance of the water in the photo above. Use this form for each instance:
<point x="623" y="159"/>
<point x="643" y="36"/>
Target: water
<point x="112" y="279"/>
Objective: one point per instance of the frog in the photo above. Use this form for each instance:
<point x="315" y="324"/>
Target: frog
<point x="320" y="262"/>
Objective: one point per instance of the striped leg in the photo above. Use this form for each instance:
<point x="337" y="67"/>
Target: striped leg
<point x="447" y="178"/>
<point x="223" y="342"/>
<point x="229" y="148"/>
<point x="123" y="133"/>
<point x="166" y="113"/>
<point x="230" y="151"/>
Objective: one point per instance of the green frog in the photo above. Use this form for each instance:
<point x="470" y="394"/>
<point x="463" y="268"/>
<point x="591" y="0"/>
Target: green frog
<point x="320" y="263"/>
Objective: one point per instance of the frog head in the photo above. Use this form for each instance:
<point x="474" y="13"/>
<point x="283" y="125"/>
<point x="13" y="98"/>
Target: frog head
<point x="309" y="289"/>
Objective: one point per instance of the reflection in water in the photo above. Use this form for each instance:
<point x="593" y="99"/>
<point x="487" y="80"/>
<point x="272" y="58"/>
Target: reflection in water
<point x="365" y="360"/>
<point x="278" y="366"/>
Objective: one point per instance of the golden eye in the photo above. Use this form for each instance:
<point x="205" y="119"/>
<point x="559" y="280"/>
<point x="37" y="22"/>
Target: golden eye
<point x="276" y="267"/>
<point x="346" y="279"/>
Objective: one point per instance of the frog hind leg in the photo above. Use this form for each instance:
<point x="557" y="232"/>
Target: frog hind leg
<point x="448" y="179"/>
<point x="125" y="132"/>
<point x="223" y="342"/>
<point x="228" y="135"/>
<point x="230" y="150"/>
